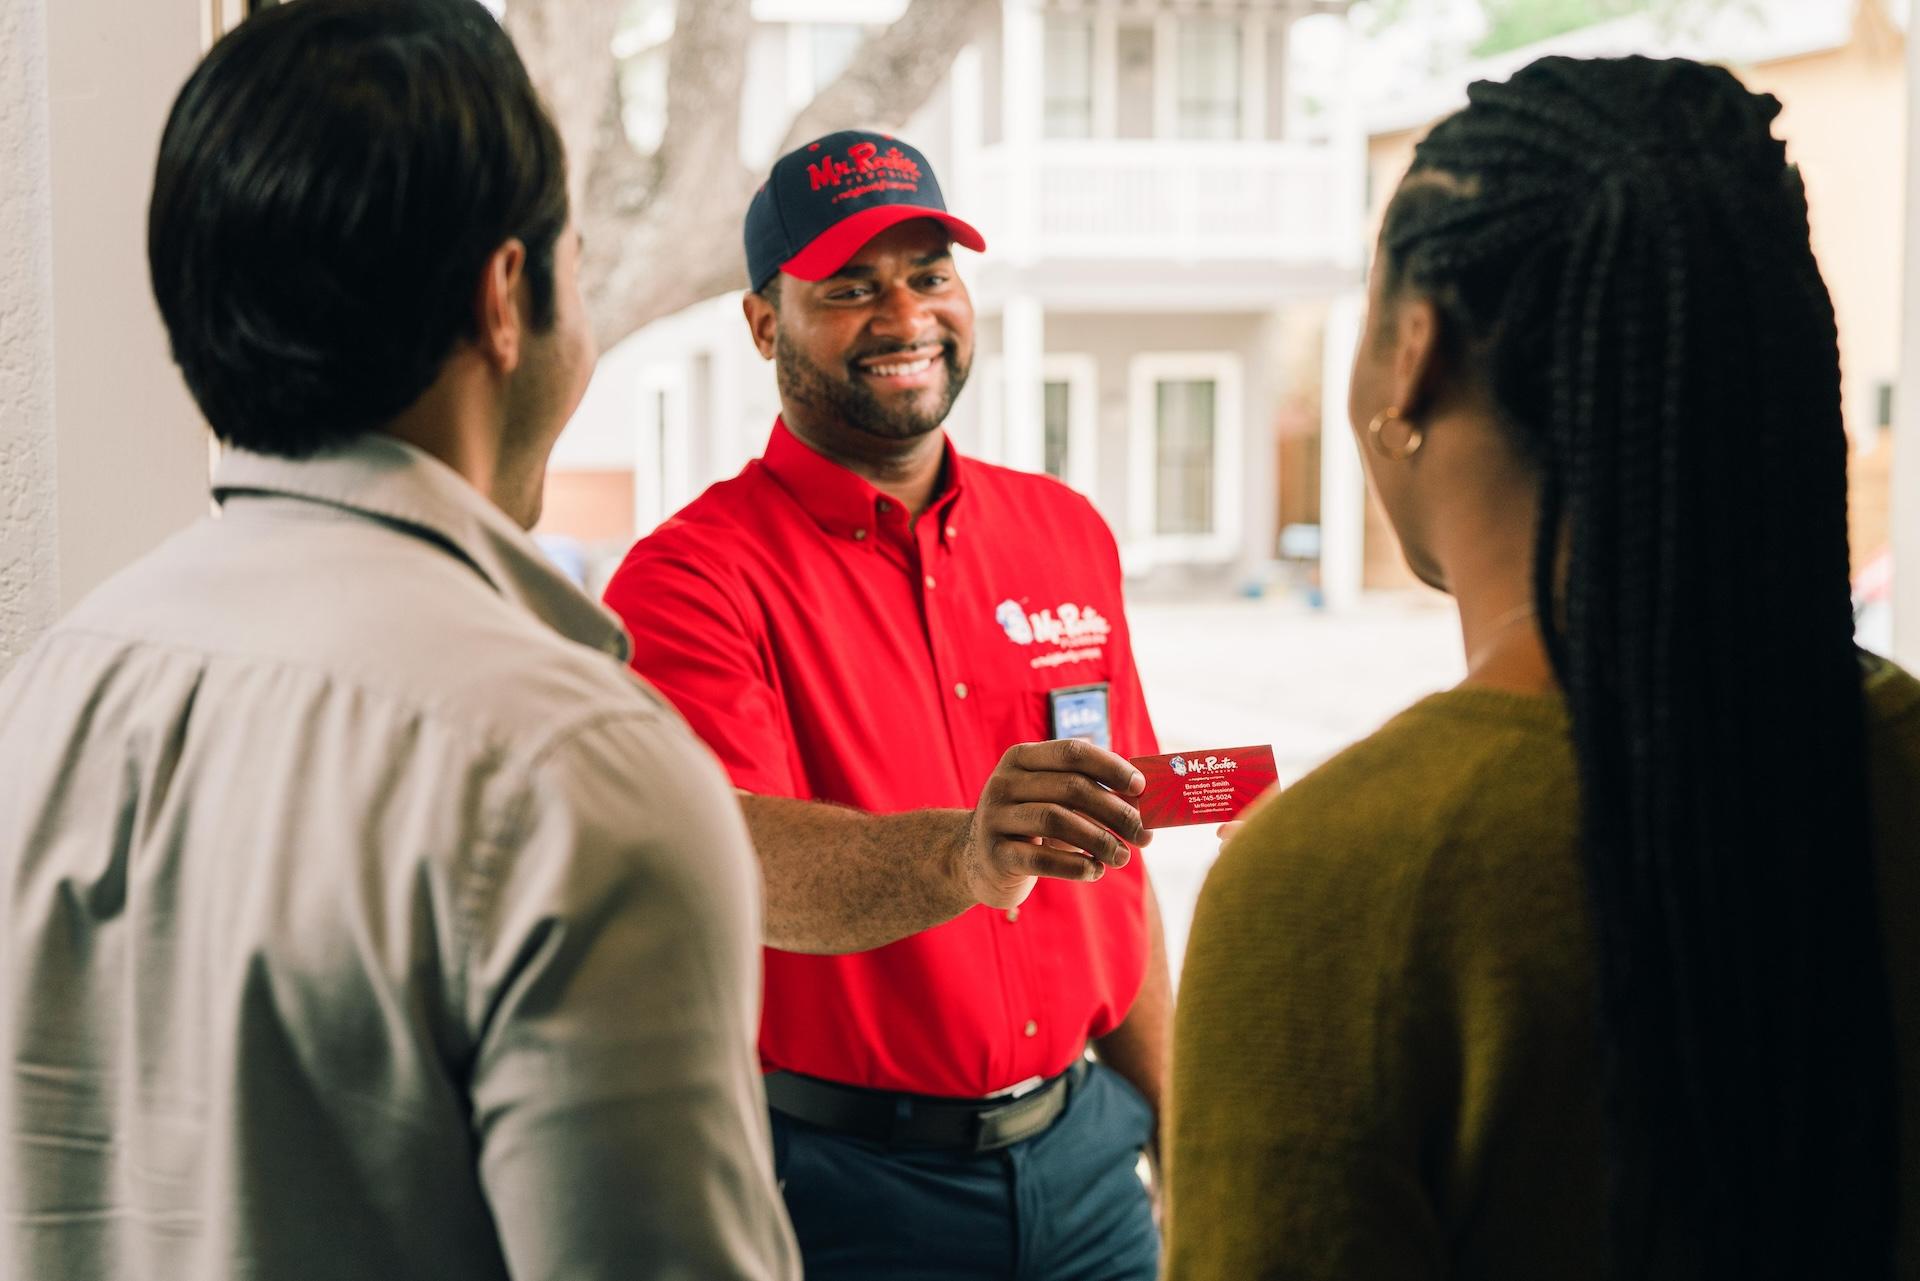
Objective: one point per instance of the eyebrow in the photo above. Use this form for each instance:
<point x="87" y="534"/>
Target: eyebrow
<point x="854" y="271"/>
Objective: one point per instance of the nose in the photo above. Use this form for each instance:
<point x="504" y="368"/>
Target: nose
<point x="901" y="315"/>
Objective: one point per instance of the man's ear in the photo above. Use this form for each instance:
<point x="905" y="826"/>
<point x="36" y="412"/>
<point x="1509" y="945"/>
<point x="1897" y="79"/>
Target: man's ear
<point x="499" y="315"/>
<point x="1418" y="365"/>
<point x="763" y="321"/>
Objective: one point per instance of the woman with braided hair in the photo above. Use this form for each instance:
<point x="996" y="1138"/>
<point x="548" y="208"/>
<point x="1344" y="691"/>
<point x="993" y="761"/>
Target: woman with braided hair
<point x="1598" y="965"/>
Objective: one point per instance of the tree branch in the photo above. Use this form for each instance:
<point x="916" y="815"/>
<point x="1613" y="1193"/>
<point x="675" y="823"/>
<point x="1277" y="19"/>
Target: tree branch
<point x="663" y="231"/>
<point x="894" y="72"/>
<point x="567" y="46"/>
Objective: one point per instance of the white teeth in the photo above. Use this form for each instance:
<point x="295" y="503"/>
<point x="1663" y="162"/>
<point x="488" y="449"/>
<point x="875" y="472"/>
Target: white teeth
<point x="900" y="371"/>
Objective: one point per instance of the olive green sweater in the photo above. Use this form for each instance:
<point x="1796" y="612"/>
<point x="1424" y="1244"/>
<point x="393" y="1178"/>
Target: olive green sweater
<point x="1383" y="1052"/>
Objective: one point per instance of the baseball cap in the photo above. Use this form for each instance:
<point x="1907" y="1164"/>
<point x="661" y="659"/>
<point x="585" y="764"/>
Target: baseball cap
<point x="826" y="199"/>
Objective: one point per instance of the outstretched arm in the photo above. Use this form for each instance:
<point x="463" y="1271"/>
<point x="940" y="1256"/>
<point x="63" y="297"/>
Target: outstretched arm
<point x="839" y="880"/>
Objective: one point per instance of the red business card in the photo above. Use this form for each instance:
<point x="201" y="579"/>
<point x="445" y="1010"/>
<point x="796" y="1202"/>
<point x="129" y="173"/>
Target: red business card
<point x="1211" y="786"/>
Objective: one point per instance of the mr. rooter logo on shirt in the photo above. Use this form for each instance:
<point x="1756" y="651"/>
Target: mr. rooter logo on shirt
<point x="1075" y="633"/>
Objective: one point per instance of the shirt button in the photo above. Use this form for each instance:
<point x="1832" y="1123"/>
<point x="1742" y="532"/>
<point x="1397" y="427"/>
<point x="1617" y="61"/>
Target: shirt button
<point x="1013" y="914"/>
<point x="929" y="582"/>
<point x="1032" y="1029"/>
<point x="952" y="532"/>
<point x="859" y="534"/>
<point x="960" y="690"/>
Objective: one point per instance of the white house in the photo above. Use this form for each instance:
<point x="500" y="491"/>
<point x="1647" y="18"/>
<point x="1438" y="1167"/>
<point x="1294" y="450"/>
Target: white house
<point x="1160" y="182"/>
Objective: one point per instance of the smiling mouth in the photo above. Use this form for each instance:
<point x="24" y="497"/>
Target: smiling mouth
<point x="901" y="364"/>
<point x="902" y="369"/>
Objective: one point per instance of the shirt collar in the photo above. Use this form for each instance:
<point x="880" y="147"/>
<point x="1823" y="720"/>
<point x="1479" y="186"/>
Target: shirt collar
<point x="843" y="503"/>
<point x="388" y="480"/>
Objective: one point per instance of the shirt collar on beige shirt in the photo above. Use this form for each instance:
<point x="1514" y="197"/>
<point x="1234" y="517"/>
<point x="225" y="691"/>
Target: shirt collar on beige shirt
<point x="384" y="479"/>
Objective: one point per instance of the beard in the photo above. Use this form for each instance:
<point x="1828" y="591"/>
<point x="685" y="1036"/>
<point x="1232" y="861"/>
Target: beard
<point x="844" y="397"/>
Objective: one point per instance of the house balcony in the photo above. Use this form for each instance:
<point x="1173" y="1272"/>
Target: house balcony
<point x="1187" y="220"/>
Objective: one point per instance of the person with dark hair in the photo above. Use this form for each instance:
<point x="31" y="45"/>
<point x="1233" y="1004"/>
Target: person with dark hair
<point x="1594" y="966"/>
<point x="364" y="917"/>
<point x="881" y="638"/>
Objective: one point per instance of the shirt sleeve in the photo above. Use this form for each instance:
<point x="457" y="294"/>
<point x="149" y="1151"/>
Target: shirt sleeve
<point x="694" y="643"/>
<point x="614" y="989"/>
<point x="1292" y="1153"/>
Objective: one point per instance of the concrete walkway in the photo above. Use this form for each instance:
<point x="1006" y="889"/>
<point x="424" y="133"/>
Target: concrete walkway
<point x="1237" y="673"/>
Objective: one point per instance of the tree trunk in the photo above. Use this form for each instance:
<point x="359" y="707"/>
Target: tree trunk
<point x="663" y="231"/>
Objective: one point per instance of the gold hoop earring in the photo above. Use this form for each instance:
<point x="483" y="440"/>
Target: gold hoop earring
<point x="1394" y="453"/>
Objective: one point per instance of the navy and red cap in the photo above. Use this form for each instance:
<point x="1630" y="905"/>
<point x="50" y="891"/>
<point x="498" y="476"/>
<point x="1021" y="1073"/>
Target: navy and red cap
<point x="825" y="200"/>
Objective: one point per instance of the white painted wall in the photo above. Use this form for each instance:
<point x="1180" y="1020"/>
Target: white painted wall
<point x="131" y="451"/>
<point x="29" y="587"/>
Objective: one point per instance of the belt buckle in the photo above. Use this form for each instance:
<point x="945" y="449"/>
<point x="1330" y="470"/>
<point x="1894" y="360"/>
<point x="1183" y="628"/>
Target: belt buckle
<point x="987" y="1131"/>
<point x="1012" y="1123"/>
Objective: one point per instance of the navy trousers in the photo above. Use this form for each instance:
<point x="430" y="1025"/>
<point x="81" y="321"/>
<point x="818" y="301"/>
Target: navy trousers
<point x="1065" y="1205"/>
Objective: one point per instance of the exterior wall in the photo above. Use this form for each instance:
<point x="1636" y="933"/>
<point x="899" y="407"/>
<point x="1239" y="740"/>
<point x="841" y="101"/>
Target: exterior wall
<point x="1843" y="118"/>
<point x="29" y="568"/>
<point x="1113" y="341"/>
<point x="133" y="452"/>
<point x="594" y="506"/>
<point x="101" y="451"/>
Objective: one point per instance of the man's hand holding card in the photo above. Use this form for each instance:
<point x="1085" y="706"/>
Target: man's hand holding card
<point x="1211" y="786"/>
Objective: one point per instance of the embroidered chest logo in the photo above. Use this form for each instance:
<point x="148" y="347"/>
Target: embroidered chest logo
<point x="1072" y="633"/>
<point x="867" y="168"/>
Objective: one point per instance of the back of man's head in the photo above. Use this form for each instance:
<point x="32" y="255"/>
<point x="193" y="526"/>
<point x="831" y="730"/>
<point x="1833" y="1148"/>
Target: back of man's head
<point x="332" y="183"/>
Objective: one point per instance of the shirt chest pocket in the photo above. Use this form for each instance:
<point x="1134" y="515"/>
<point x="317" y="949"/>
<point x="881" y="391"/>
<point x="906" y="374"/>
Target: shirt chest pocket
<point x="1034" y="651"/>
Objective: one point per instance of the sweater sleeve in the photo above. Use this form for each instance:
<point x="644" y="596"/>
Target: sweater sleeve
<point x="1292" y="1153"/>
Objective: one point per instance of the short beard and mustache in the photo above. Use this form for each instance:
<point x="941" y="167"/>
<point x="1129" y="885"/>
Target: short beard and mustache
<point x="849" y="400"/>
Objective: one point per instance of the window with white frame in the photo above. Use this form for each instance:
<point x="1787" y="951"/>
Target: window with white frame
<point x="830" y="49"/>
<point x="1058" y="426"/>
<point x="1184" y="466"/>
<point x="660" y="464"/>
<point x="1207" y="78"/>
<point x="1069" y="419"/>
<point x="1069" y="76"/>
<point x="1185" y="419"/>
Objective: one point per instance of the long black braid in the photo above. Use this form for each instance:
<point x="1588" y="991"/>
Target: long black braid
<point x="1622" y="250"/>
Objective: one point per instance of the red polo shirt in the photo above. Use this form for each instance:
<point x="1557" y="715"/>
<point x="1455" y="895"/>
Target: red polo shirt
<point x="827" y="649"/>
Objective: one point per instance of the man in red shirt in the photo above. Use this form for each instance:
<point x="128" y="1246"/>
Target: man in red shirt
<point x="878" y="637"/>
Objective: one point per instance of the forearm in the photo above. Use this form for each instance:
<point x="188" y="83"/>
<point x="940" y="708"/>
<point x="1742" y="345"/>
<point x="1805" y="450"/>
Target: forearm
<point x="840" y="880"/>
<point x="1139" y="1049"/>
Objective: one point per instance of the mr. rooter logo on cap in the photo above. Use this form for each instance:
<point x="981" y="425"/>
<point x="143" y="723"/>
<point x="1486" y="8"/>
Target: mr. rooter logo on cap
<point x="867" y="169"/>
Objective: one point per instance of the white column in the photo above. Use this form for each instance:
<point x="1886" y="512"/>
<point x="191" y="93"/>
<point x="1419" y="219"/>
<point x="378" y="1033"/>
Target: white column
<point x="1343" y="490"/>
<point x="1261" y="390"/>
<point x="29" y="521"/>
<point x="1022" y="351"/>
<point x="1166" y="74"/>
<point x="1906" y="443"/>
<point x="1350" y="159"/>
<point x="1022" y="116"/>
<point x="1106" y="73"/>
<point x="1253" y="76"/>
<point x="132" y="450"/>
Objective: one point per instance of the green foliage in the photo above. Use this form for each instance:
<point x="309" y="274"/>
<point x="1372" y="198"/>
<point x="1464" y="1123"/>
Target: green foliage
<point x="1513" y="23"/>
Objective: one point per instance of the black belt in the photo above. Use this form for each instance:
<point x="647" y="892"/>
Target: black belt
<point x="923" y="1120"/>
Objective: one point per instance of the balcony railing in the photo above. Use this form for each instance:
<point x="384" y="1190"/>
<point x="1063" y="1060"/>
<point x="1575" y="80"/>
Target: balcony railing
<point x="1177" y="201"/>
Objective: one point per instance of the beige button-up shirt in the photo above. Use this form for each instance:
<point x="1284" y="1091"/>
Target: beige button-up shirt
<point x="366" y="919"/>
